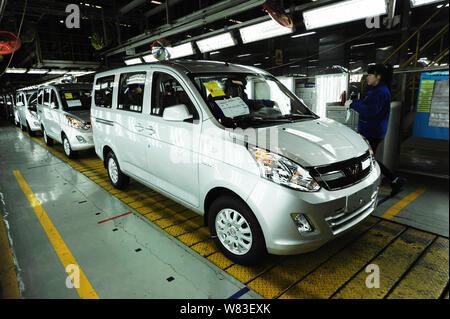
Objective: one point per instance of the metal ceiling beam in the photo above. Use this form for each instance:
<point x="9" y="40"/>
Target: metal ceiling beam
<point x="130" y="6"/>
<point x="160" y="8"/>
<point x="197" y="19"/>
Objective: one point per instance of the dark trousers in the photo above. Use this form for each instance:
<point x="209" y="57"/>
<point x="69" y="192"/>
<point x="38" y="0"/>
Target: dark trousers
<point x="374" y="142"/>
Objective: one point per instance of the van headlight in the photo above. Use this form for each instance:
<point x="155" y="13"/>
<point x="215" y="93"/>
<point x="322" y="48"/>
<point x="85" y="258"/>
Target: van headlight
<point x="371" y="152"/>
<point x="282" y="171"/>
<point x="77" y="123"/>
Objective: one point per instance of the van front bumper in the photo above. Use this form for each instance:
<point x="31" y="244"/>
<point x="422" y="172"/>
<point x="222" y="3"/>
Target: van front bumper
<point x="79" y="140"/>
<point x="330" y="213"/>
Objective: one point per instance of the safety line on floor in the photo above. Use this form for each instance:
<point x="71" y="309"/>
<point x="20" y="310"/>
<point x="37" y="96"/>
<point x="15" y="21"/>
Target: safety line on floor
<point x="8" y="278"/>
<point x="240" y="293"/>
<point x="394" y="210"/>
<point x="84" y="289"/>
<point x="112" y="218"/>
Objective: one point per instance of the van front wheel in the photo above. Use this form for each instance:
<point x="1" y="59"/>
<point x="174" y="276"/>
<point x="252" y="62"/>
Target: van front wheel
<point x="236" y="231"/>
<point x="118" y="179"/>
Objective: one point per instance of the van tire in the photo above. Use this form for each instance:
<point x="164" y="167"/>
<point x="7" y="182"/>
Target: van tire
<point x="118" y="179"/>
<point x="67" y="148"/>
<point x="48" y="140"/>
<point x="257" y="249"/>
<point x="22" y="127"/>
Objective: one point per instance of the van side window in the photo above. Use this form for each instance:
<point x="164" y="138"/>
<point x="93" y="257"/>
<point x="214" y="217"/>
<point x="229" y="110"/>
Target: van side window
<point x="41" y="97"/>
<point x="47" y="97"/>
<point x="131" y="92"/>
<point x="32" y="100"/>
<point x="167" y="91"/>
<point x="103" y="91"/>
<point x="54" y="100"/>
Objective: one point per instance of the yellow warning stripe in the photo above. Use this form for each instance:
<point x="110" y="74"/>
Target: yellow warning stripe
<point x="428" y="277"/>
<point x="86" y="291"/>
<point x="330" y="276"/>
<point x="392" y="263"/>
<point x="8" y="278"/>
<point x="394" y="210"/>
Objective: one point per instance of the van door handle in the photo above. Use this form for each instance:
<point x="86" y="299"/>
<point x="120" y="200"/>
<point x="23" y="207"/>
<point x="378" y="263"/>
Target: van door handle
<point x="139" y="127"/>
<point x="150" y="129"/>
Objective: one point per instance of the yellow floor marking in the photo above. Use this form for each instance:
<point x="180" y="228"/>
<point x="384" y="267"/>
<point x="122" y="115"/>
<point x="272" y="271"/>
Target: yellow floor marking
<point x="392" y="263"/>
<point x="8" y="278"/>
<point x="428" y="277"/>
<point x="220" y="260"/>
<point x="194" y="237"/>
<point x="245" y="274"/>
<point x="85" y="291"/>
<point x="331" y="275"/>
<point x="277" y="280"/>
<point x="394" y="210"/>
<point x="205" y="248"/>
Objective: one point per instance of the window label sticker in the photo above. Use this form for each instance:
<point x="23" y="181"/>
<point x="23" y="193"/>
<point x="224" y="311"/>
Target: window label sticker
<point x="214" y="89"/>
<point x="74" y="103"/>
<point x="233" y="107"/>
<point x="68" y="96"/>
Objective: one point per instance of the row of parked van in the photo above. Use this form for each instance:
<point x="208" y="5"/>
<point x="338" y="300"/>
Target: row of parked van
<point x="229" y="142"/>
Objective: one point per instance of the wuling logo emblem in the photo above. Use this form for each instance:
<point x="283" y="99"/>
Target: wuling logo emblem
<point x="353" y="171"/>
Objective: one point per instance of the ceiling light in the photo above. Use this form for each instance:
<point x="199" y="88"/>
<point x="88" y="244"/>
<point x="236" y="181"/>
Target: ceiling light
<point x="418" y="3"/>
<point x="149" y="58"/>
<point x="356" y="70"/>
<point x="303" y="34"/>
<point x="264" y="30"/>
<point x="156" y="2"/>
<point x="214" y="52"/>
<point x="58" y="72"/>
<point x="181" y="50"/>
<point x="16" y="71"/>
<point x="217" y="42"/>
<point x="37" y="71"/>
<point x="133" y="61"/>
<point x="361" y="45"/>
<point x="342" y="12"/>
<point x="243" y="55"/>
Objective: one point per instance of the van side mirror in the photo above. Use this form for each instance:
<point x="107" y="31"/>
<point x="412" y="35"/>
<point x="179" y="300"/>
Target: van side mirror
<point x="177" y="113"/>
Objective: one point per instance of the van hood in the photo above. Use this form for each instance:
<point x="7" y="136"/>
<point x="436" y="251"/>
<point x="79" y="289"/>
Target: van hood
<point x="84" y="115"/>
<point x="308" y="143"/>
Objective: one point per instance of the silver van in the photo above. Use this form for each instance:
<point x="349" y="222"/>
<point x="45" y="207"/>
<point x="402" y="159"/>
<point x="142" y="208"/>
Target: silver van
<point x="64" y="116"/>
<point x="231" y="143"/>
<point x="26" y="105"/>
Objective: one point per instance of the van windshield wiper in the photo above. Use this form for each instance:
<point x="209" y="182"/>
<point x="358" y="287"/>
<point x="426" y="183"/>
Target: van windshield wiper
<point x="248" y="119"/>
<point x="297" y="116"/>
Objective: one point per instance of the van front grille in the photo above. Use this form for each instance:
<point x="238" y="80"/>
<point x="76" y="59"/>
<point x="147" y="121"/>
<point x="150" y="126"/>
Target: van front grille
<point x="342" y="174"/>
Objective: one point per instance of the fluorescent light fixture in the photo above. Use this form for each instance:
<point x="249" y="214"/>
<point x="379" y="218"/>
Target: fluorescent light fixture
<point x="244" y="55"/>
<point x="396" y="66"/>
<point x="303" y="34"/>
<point x="440" y="6"/>
<point x="133" y="61"/>
<point x="294" y="66"/>
<point x="342" y="12"/>
<point x="256" y="64"/>
<point x="361" y="45"/>
<point x="58" y="72"/>
<point x="181" y="50"/>
<point x="16" y="71"/>
<point x="356" y="70"/>
<point x="418" y="3"/>
<point x="217" y="42"/>
<point x="156" y="2"/>
<point x="264" y="30"/>
<point x="37" y="71"/>
<point x="214" y="52"/>
<point x="149" y="58"/>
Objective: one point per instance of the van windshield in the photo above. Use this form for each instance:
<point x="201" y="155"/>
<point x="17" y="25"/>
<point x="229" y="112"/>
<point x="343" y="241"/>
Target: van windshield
<point x="76" y="99"/>
<point x="250" y="100"/>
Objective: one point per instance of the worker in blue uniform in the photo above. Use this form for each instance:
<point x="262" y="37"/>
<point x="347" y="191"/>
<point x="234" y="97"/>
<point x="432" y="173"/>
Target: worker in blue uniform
<point x="374" y="110"/>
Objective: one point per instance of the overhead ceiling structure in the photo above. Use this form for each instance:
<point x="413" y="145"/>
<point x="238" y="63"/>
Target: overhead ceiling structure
<point x="113" y="32"/>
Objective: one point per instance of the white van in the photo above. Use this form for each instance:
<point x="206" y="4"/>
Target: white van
<point x="26" y="105"/>
<point x="64" y="115"/>
<point x="230" y="142"/>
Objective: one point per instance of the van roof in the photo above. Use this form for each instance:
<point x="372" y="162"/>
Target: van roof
<point x="195" y="66"/>
<point x="68" y="86"/>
